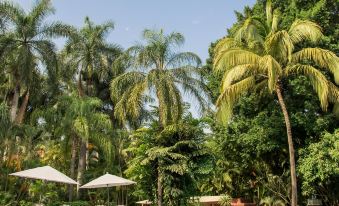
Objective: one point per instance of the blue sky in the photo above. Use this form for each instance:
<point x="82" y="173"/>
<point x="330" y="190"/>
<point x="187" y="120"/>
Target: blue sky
<point x="201" y="21"/>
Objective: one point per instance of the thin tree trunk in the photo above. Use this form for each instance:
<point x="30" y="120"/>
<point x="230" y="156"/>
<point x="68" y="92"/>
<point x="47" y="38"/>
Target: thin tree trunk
<point x="83" y="147"/>
<point x="81" y="165"/>
<point x="72" y="167"/>
<point x="22" y="110"/>
<point x="294" y="197"/>
<point x="87" y="155"/>
<point x="15" y="102"/>
<point x="80" y="88"/>
<point x="159" y="185"/>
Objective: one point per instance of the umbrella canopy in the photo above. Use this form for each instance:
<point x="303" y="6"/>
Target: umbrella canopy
<point x="108" y="180"/>
<point x="46" y="173"/>
<point x="144" y="202"/>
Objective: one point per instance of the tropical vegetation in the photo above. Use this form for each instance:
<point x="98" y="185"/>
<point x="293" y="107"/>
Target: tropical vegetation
<point x="93" y="107"/>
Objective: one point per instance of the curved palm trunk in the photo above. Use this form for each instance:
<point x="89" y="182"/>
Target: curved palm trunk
<point x="15" y="102"/>
<point x="294" y="197"/>
<point x="22" y="110"/>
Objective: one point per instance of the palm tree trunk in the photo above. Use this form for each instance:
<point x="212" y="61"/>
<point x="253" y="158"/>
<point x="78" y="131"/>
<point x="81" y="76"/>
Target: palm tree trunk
<point x="15" y="102"/>
<point x="81" y="165"/>
<point x="22" y="110"/>
<point x="72" y="167"/>
<point x="80" y="88"/>
<point x="159" y="185"/>
<point x="294" y="197"/>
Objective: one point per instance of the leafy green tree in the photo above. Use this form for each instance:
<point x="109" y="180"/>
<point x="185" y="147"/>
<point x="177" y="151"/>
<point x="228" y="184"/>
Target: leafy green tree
<point x="162" y="71"/>
<point x="319" y="168"/>
<point x="174" y="154"/>
<point x="25" y="43"/>
<point x="260" y="56"/>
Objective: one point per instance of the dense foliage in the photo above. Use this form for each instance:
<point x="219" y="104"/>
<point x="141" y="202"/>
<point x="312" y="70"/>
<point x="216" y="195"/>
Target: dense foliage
<point x="93" y="107"/>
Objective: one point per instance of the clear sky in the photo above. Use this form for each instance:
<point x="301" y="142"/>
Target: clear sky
<point x="201" y="21"/>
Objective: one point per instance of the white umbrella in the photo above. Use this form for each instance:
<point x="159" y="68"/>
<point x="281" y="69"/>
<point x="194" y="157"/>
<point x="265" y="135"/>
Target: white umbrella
<point x="144" y="202"/>
<point x="107" y="181"/>
<point x="45" y="173"/>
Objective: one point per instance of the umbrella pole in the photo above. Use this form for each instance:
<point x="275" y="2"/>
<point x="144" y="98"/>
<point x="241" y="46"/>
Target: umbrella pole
<point x="107" y="195"/>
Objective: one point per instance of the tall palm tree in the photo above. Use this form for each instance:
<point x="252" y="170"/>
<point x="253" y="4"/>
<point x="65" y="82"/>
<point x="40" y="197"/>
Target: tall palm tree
<point x="160" y="69"/>
<point x="25" y="43"/>
<point x="260" y="56"/>
<point x="78" y="118"/>
<point x="87" y="53"/>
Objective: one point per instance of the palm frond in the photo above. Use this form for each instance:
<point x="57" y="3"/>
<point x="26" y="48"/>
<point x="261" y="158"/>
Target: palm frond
<point x="273" y="70"/>
<point x="57" y="29"/>
<point x="233" y="57"/>
<point x="179" y="59"/>
<point x="230" y="95"/>
<point x="11" y="11"/>
<point x="333" y="93"/>
<point x="269" y="14"/>
<point x="237" y="73"/>
<point x="175" y="39"/>
<point x="135" y="99"/>
<point x="321" y="57"/>
<point x="120" y="84"/>
<point x="226" y="44"/>
<point x="40" y="11"/>
<point x="302" y="30"/>
<point x="251" y="30"/>
<point x="318" y="81"/>
<point x="279" y="46"/>
<point x="275" y="20"/>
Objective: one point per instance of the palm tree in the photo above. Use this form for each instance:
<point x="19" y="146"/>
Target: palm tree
<point x="260" y="57"/>
<point x="88" y="54"/>
<point x="26" y="43"/>
<point x="78" y="118"/>
<point x="163" y="70"/>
